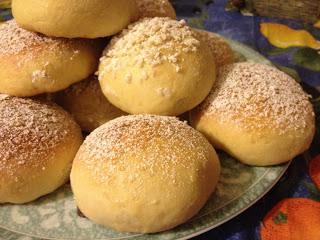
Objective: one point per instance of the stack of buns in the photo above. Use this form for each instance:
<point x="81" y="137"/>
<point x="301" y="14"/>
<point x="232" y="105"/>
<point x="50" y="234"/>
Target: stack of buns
<point x="123" y="71"/>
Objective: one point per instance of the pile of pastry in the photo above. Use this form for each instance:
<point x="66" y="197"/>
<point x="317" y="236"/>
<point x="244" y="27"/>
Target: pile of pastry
<point x="123" y="71"/>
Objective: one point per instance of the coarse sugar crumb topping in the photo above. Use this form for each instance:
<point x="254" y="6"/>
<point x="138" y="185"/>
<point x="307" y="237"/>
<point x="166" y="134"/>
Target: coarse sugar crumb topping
<point x="150" y="41"/>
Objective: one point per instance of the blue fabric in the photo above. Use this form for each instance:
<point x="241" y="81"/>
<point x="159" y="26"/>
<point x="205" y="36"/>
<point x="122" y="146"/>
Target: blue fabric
<point x="246" y="29"/>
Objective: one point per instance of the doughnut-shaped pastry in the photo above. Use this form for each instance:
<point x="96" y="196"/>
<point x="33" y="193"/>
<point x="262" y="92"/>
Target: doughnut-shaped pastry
<point x="220" y="49"/>
<point x="144" y="173"/>
<point x="87" y="104"/>
<point x="157" y="66"/>
<point x="155" y="8"/>
<point x="32" y="64"/>
<point x="74" y="18"/>
<point x="38" y="141"/>
<point x="257" y="114"/>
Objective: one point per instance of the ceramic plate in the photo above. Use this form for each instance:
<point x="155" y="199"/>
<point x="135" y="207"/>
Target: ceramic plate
<point x="55" y="216"/>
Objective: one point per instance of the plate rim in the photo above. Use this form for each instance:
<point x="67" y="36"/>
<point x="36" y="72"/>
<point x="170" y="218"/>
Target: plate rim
<point x="267" y="190"/>
<point x="284" y="168"/>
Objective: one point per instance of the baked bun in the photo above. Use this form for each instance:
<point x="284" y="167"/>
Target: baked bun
<point x="144" y="173"/>
<point x="38" y="142"/>
<point x="74" y="18"/>
<point x="157" y="66"/>
<point x="155" y="8"/>
<point x="257" y="114"/>
<point x="32" y="64"/>
<point x="220" y="49"/>
<point x="87" y="104"/>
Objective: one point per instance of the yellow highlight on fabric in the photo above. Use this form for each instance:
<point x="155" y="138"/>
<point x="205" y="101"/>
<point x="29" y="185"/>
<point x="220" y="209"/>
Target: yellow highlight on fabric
<point x="317" y="24"/>
<point x="282" y="36"/>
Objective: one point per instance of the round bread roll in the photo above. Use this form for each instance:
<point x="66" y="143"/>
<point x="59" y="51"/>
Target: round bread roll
<point x="32" y="64"/>
<point x="220" y="49"/>
<point x="38" y="141"/>
<point x="157" y="66"/>
<point x="155" y="8"/>
<point x="144" y="173"/>
<point x="74" y="18"/>
<point x="87" y="104"/>
<point x="257" y="114"/>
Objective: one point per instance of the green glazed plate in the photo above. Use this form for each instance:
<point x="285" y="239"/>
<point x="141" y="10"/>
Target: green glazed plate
<point x="55" y="216"/>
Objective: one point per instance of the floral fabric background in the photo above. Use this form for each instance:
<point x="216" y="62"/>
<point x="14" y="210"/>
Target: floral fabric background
<point x="292" y="209"/>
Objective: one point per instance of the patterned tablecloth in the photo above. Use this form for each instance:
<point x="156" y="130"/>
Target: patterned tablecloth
<point x="292" y="209"/>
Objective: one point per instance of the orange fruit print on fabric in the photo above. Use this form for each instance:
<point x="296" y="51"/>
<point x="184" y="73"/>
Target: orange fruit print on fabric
<point x="314" y="172"/>
<point x="292" y="219"/>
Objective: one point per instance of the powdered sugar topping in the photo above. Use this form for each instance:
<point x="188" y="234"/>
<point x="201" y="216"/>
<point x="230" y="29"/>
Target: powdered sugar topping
<point x="156" y="142"/>
<point x="257" y="96"/>
<point x="14" y="39"/>
<point x="29" y="131"/>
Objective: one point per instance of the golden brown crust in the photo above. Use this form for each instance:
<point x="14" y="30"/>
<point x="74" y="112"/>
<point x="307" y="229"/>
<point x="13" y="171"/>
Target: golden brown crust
<point x="87" y="104"/>
<point x="220" y="49"/>
<point x="257" y="114"/>
<point x="38" y="141"/>
<point x="155" y="8"/>
<point x="29" y="132"/>
<point x="156" y="66"/>
<point x="257" y="96"/>
<point x="128" y="158"/>
<point x="34" y="63"/>
<point x="133" y="134"/>
<point x="15" y="40"/>
<point x="79" y="18"/>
